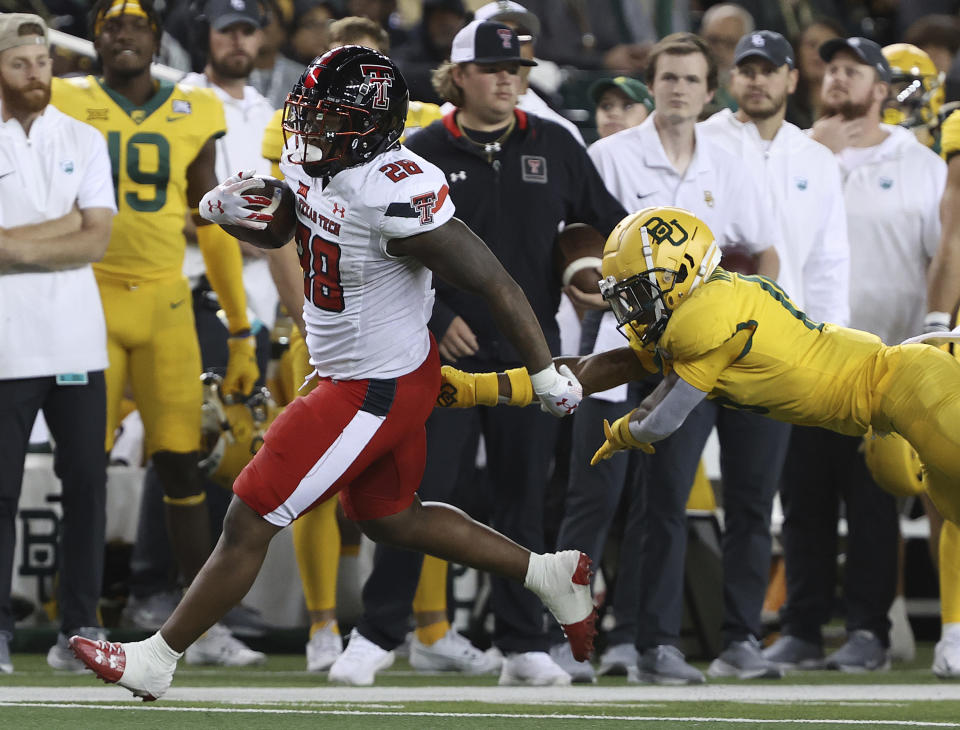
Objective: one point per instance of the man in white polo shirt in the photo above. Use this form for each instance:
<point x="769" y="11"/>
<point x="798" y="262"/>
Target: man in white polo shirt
<point x="802" y="180"/>
<point x="56" y="211"/>
<point x="663" y="161"/>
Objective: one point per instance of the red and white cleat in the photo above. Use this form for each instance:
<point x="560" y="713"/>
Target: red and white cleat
<point x="562" y="581"/>
<point x="129" y="665"/>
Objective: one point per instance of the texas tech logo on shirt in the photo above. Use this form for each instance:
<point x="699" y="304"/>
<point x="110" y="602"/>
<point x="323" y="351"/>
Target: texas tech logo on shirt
<point x="381" y="78"/>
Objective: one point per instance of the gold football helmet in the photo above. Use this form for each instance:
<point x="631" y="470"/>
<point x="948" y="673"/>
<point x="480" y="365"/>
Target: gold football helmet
<point x="652" y="261"/>
<point x="893" y="463"/>
<point x="917" y="89"/>
<point x="232" y="431"/>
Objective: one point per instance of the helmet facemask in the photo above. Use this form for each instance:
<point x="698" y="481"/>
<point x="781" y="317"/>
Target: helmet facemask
<point x="319" y="135"/>
<point x="639" y="301"/>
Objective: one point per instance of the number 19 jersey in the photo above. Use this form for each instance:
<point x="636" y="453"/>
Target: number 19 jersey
<point x="150" y="149"/>
<point x="366" y="311"/>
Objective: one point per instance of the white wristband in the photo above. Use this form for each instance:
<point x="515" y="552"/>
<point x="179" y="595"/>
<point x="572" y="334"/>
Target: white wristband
<point x="544" y="380"/>
<point x="577" y="265"/>
<point x="937" y="319"/>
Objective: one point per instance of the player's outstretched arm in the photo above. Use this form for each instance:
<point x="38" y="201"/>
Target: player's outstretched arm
<point x="659" y="415"/>
<point x="454" y="253"/>
<point x="595" y="372"/>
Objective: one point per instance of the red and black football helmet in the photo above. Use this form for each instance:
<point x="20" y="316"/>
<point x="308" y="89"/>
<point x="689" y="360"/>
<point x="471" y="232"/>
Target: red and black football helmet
<point x="349" y="105"/>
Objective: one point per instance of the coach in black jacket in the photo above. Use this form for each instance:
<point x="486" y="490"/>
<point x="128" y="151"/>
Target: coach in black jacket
<point x="516" y="180"/>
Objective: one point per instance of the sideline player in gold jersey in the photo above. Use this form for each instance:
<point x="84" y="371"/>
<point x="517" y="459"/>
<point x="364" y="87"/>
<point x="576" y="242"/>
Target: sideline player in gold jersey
<point x="161" y="143"/>
<point x="740" y="341"/>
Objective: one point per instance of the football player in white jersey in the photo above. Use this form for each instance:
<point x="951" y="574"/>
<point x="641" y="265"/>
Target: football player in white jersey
<point x="374" y="221"/>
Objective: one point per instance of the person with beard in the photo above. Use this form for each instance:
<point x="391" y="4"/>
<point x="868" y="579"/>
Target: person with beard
<point x="232" y="35"/>
<point x="801" y="180"/>
<point x="892" y="186"/>
<point x="161" y="139"/>
<point x="55" y="217"/>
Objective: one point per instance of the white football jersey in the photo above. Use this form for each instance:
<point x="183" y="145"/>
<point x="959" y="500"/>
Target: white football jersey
<point x="366" y="311"/>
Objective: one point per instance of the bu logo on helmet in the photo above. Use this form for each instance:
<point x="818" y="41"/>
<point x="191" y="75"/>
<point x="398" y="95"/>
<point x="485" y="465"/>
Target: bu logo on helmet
<point x="662" y="232"/>
<point x="381" y="78"/>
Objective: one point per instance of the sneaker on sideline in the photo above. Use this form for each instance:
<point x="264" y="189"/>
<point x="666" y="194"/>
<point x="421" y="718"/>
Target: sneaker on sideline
<point x="151" y="611"/>
<point x="532" y="669"/>
<point x="218" y="646"/>
<point x="665" y="664"/>
<point x="243" y="620"/>
<point x="61" y="656"/>
<point x="618" y="660"/>
<point x="563" y="584"/>
<point x="452" y="652"/>
<point x="946" y="658"/>
<point x="133" y="666"/>
<point x="580" y="672"/>
<point x="792" y="652"/>
<point x="360" y="661"/>
<point x="6" y="663"/>
<point x="863" y="652"/>
<point x="744" y="660"/>
<point x="323" y="648"/>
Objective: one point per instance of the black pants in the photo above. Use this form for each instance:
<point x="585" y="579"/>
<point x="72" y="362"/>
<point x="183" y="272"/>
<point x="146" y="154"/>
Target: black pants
<point x="752" y="450"/>
<point x="519" y="444"/>
<point x="823" y="467"/>
<point x="77" y="418"/>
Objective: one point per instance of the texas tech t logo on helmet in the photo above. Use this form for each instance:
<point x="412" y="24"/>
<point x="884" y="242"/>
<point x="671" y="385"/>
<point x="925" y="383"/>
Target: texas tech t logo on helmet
<point x="381" y="79"/>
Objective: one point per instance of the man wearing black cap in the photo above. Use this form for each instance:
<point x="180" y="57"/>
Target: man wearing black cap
<point x="892" y="186"/>
<point x="514" y="179"/>
<point x="804" y="196"/>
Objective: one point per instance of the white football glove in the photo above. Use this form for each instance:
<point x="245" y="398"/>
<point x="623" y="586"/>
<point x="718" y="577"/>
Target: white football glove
<point x="559" y="391"/>
<point x="225" y="203"/>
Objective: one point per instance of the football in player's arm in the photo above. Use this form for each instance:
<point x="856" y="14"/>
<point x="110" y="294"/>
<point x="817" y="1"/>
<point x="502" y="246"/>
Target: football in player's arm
<point x="740" y="341"/>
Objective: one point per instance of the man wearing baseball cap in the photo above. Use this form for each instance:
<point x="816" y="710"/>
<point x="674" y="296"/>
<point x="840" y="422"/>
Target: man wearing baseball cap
<point x="892" y="189"/>
<point x="801" y="180"/>
<point x="532" y="94"/>
<point x="55" y="219"/>
<point x="514" y="178"/>
<point x="620" y="103"/>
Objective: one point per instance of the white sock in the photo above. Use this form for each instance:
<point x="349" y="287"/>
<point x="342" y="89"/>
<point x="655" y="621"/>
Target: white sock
<point x="536" y="572"/>
<point x="951" y="631"/>
<point x="161" y="650"/>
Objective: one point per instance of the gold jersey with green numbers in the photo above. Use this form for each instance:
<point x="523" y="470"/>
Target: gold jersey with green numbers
<point x="150" y="149"/>
<point x="950" y="135"/>
<point x="419" y="115"/>
<point x="744" y="342"/>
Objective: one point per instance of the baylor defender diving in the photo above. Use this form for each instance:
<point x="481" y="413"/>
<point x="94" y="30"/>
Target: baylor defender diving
<point x="740" y="341"/>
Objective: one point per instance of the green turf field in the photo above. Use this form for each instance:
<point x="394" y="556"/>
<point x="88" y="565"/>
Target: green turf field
<point x="282" y="694"/>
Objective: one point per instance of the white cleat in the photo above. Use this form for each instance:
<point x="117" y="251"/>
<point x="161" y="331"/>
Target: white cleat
<point x="532" y="669"/>
<point x="562" y="581"/>
<point x="451" y="653"/>
<point x="946" y="658"/>
<point x="360" y="661"/>
<point x="323" y="649"/>
<point x="218" y="646"/>
<point x="135" y="666"/>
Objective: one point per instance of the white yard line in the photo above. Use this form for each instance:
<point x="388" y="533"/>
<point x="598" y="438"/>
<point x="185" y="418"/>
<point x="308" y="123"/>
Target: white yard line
<point x="259" y="711"/>
<point x="536" y="695"/>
